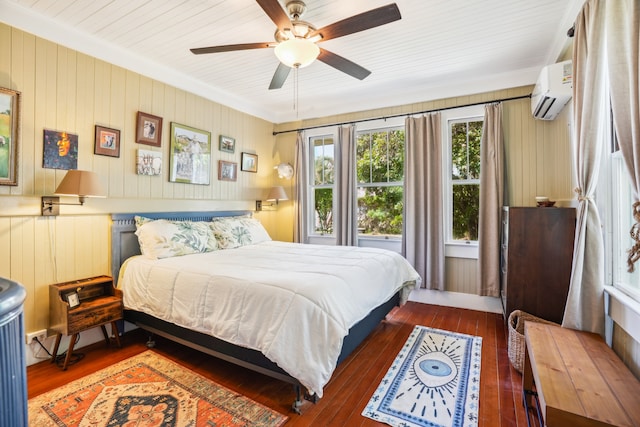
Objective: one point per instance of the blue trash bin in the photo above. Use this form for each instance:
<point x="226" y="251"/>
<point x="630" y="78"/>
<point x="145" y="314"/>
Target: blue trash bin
<point x="13" y="364"/>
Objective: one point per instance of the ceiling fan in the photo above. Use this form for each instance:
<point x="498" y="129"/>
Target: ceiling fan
<point x="296" y="40"/>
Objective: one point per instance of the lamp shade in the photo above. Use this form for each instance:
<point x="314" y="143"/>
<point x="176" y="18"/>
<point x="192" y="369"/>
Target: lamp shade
<point x="277" y="193"/>
<point x="297" y="52"/>
<point x="81" y="183"/>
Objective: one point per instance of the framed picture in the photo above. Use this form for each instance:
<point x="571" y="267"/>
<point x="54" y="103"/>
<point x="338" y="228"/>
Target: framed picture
<point x="249" y="162"/>
<point x="148" y="129"/>
<point x="227" y="144"/>
<point x="149" y="162"/>
<point x="73" y="299"/>
<point x="227" y="171"/>
<point x="189" y="155"/>
<point x="107" y="142"/>
<point x="60" y="150"/>
<point x="9" y="128"/>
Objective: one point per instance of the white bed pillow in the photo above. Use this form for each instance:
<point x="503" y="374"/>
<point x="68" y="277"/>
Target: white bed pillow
<point x="233" y="232"/>
<point x="166" y="238"/>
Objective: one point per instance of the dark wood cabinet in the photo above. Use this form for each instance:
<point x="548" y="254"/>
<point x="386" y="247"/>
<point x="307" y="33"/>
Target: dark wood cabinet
<point x="537" y="251"/>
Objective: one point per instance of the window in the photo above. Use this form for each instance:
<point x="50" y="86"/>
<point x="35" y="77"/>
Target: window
<point x="464" y="136"/>
<point x="621" y="222"/>
<point x="380" y="173"/>
<point x="322" y="180"/>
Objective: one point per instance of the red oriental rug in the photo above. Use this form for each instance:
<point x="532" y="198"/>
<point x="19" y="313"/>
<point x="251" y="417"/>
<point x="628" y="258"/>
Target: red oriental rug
<point x="147" y="390"/>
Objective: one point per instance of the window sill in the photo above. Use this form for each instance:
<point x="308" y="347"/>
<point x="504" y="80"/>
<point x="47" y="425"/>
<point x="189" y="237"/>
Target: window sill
<point x="623" y="310"/>
<point x="461" y="250"/>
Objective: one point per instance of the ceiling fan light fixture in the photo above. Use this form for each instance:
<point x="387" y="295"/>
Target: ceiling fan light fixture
<point x="297" y="52"/>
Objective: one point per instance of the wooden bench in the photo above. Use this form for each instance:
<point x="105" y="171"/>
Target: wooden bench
<point x="574" y="378"/>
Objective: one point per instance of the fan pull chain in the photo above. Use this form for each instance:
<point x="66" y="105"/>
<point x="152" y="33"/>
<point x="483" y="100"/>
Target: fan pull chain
<point x="295" y="90"/>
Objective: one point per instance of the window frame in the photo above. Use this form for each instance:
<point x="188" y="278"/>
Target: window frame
<point x="380" y="125"/>
<point x="310" y="135"/>
<point x="453" y="248"/>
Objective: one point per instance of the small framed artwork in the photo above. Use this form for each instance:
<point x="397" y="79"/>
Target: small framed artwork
<point x="9" y="127"/>
<point x="227" y="171"/>
<point x="227" y="144"/>
<point x="60" y="150"/>
<point x="149" y="162"/>
<point x="73" y="299"/>
<point x="107" y="142"/>
<point x="189" y="155"/>
<point x="148" y="129"/>
<point x="249" y="162"/>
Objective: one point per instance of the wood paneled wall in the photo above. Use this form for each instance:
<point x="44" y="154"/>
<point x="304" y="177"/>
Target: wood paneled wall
<point x="64" y="90"/>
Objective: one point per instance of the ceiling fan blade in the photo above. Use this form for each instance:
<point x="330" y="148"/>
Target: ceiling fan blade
<point x="280" y="76"/>
<point x="343" y="64"/>
<point x="273" y="9"/>
<point x="229" y="48"/>
<point x="363" y="21"/>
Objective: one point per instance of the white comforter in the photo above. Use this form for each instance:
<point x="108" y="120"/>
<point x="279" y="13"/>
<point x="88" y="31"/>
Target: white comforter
<point x="294" y="303"/>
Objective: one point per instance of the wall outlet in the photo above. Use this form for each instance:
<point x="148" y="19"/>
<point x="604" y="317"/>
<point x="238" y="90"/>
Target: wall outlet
<point x="41" y="335"/>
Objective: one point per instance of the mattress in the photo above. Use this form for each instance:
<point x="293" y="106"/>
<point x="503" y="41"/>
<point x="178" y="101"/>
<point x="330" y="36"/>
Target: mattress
<point x="293" y="302"/>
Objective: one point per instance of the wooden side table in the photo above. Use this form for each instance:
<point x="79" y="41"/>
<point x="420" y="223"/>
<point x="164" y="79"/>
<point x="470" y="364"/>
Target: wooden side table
<point x="80" y="305"/>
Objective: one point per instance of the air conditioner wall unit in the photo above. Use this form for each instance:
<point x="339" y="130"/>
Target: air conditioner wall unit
<point x="553" y="90"/>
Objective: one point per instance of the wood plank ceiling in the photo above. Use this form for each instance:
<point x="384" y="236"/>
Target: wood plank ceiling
<point x="439" y="48"/>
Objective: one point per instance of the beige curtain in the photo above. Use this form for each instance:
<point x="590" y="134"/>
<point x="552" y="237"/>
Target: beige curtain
<point x="346" y="224"/>
<point x="423" y="228"/>
<point x="301" y="167"/>
<point x="585" y="302"/>
<point x="491" y="198"/>
<point x="623" y="47"/>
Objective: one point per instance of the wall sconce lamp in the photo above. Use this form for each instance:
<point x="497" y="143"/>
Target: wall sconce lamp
<point x="75" y="183"/>
<point x="275" y="195"/>
<point x="285" y="170"/>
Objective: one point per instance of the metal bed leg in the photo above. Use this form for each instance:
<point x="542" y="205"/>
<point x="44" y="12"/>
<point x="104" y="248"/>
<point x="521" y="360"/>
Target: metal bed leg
<point x="297" y="404"/>
<point x="151" y="342"/>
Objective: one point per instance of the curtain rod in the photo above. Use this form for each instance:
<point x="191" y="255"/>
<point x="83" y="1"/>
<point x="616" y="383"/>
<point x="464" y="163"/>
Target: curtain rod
<point x="403" y="114"/>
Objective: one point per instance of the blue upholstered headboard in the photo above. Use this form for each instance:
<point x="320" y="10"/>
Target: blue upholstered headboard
<point x="124" y="242"/>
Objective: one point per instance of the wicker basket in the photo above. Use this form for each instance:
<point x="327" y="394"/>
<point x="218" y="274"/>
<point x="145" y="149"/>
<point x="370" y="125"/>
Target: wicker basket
<point x="516" y="336"/>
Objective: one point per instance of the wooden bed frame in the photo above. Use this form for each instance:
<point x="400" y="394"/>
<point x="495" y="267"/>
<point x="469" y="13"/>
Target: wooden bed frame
<point x="124" y="244"/>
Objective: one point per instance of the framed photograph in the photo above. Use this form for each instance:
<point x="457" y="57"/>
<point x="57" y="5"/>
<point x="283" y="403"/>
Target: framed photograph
<point x="189" y="155"/>
<point x="60" y="150"/>
<point x="148" y="129"/>
<point x="9" y="132"/>
<point x="227" y="144"/>
<point x="149" y="162"/>
<point x="249" y="162"/>
<point x="73" y="299"/>
<point x="227" y="171"/>
<point x="107" y="142"/>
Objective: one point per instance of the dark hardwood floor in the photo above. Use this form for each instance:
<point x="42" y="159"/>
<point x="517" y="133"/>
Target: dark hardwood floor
<point x="352" y="383"/>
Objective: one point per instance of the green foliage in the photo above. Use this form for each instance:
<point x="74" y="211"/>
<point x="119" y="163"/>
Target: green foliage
<point x="380" y="164"/>
<point x="465" y="167"/>
<point x="324" y="210"/>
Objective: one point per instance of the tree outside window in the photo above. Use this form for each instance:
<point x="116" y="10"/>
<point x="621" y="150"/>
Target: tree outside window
<point x="465" y="178"/>
<point x="322" y="184"/>
<point x="380" y="174"/>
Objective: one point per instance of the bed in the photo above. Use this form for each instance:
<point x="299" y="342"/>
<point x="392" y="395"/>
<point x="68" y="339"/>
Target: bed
<point x="277" y="308"/>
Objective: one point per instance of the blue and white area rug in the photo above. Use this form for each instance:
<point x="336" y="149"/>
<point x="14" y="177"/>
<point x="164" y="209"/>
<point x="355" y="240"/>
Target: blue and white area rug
<point x="434" y="381"/>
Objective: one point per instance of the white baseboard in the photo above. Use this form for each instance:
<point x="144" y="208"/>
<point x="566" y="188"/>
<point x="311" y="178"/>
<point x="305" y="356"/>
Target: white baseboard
<point x="457" y="299"/>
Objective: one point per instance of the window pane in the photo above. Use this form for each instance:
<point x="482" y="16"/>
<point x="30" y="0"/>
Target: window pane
<point x="323" y="161"/>
<point x="396" y="155"/>
<point x="459" y="150"/>
<point x="466" y="201"/>
<point x="363" y="154"/>
<point x="475" y="134"/>
<point x="323" y="216"/>
<point x="380" y="157"/>
<point x="622" y="216"/>
<point x="380" y="210"/>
